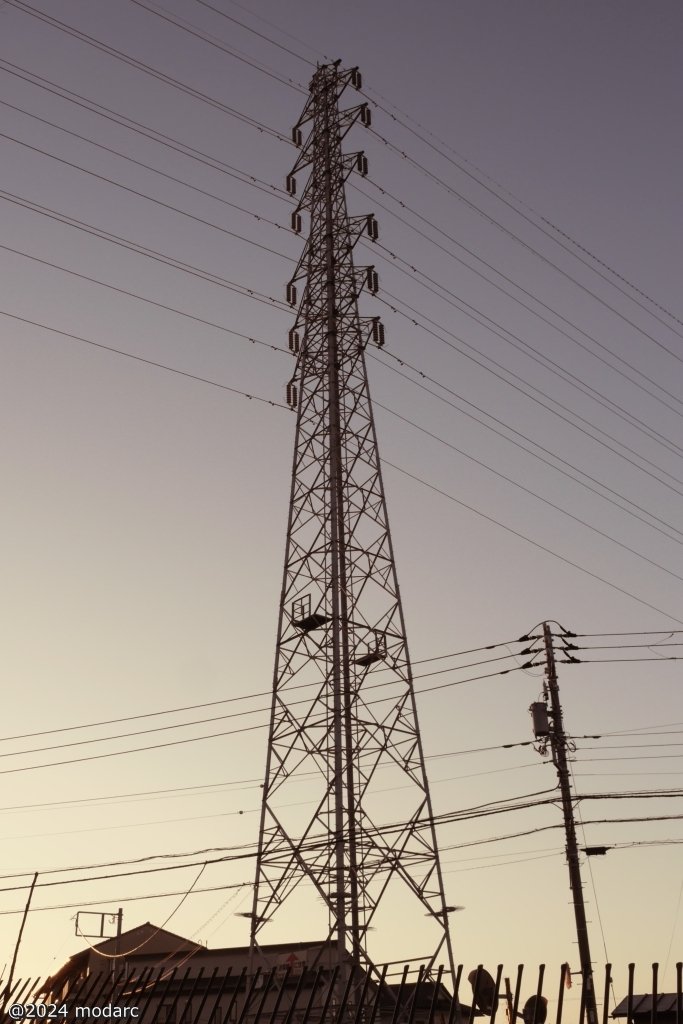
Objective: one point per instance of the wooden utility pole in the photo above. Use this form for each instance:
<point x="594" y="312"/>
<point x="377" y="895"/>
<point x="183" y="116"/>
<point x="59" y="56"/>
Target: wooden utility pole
<point x="554" y="733"/>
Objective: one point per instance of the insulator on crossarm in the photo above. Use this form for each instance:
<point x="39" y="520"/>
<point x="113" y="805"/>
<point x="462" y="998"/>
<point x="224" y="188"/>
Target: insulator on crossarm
<point x="291" y="293"/>
<point x="292" y="395"/>
<point x="294" y="341"/>
<point x="371" y="280"/>
<point x="365" y="115"/>
<point x="362" y="163"/>
<point x="377" y="332"/>
<point x="291" y="184"/>
<point x="296" y="222"/>
<point x="356" y="78"/>
<point x="372" y="227"/>
<point x="297" y="137"/>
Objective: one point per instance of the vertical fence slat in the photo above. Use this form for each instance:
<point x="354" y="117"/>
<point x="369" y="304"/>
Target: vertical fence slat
<point x="311" y="999"/>
<point x="475" y="991"/>
<point x="496" y="994"/>
<point x="539" y="992"/>
<point x="455" y="1001"/>
<point x="401" y="986"/>
<point x="248" y="995"/>
<point x="679" y="993"/>
<point x="629" y="998"/>
<point x="345" y="995"/>
<point x="416" y="993"/>
<point x="560" y="995"/>
<point x="435" y="995"/>
<point x="518" y="989"/>
<point x="378" y="994"/>
<point x="655" y="995"/>
<point x="297" y="992"/>
<point x="360" y="1005"/>
<point x="280" y="994"/>
<point x="207" y="989"/>
<point x="333" y="982"/>
<point x="605" y="1000"/>
<point x="235" y="994"/>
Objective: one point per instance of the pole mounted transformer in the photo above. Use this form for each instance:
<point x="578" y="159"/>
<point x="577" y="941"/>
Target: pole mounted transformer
<point x="347" y="829"/>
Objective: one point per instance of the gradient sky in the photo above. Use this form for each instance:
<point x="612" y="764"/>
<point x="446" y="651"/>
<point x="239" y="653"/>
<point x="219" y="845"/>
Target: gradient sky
<point x="144" y="511"/>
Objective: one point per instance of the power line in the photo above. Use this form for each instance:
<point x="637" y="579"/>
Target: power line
<point x="246" y="293"/>
<point x="545" y="221"/>
<point x="114" y="117"/>
<point x="146" y="69"/>
<point x="146" y="197"/>
<point x="399" y="307"/>
<point x="142" y="359"/>
<point x="527" y="490"/>
<point x="517" y="444"/>
<point x="140" y="163"/>
<point x="491" y="220"/>
<point x="536" y="544"/>
<point x="532" y="353"/>
<point x="186" y="26"/>
<point x="517" y="433"/>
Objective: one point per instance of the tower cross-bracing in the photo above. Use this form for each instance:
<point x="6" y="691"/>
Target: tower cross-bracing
<point x="347" y="829"/>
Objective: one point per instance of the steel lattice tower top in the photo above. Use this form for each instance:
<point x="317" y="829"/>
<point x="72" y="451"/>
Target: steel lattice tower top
<point x="343" y="728"/>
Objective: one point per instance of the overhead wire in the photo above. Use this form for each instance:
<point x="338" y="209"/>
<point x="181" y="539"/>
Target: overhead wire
<point x="211" y="40"/>
<point x="528" y="490"/>
<point x="461" y="398"/>
<point x="557" y="231"/>
<point x="145" y="360"/>
<point x="147" y="167"/>
<point x="438" y="490"/>
<point x="231" y="700"/>
<point x="146" y="69"/>
<point x="552" y="405"/>
<point x="118" y="240"/>
<point x="153" y="134"/>
<point x="146" y="197"/>
<point x="545" y="259"/>
<point x="528" y="350"/>
<point x="529" y="540"/>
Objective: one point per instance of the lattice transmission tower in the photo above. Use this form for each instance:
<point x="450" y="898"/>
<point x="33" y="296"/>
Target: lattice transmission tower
<point x="346" y="828"/>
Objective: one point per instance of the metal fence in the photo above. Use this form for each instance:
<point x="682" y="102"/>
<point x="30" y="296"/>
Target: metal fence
<point x="154" y="995"/>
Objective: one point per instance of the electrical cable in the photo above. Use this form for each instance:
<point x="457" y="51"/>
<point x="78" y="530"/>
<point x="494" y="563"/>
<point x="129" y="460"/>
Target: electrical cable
<point x="145" y="942"/>
<point x="545" y="221"/>
<point x="142" y="359"/>
<point x="148" y="198"/>
<point x="235" y="21"/>
<point x="140" y="163"/>
<point x="146" y="69"/>
<point x="518" y="485"/>
<point x="529" y="351"/>
<point x="242" y="290"/>
<point x="516" y="238"/>
<point x="510" y="440"/>
<point x="229" y="732"/>
<point x="399" y="307"/>
<point x="536" y="544"/>
<point x="114" y="117"/>
<point x="527" y="490"/>
<point x="424" y="483"/>
<point x="232" y="700"/>
<point x="187" y="26"/>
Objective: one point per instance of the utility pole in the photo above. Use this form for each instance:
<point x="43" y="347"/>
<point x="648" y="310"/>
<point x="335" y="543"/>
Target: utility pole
<point x="369" y="865"/>
<point x="549" y="726"/>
